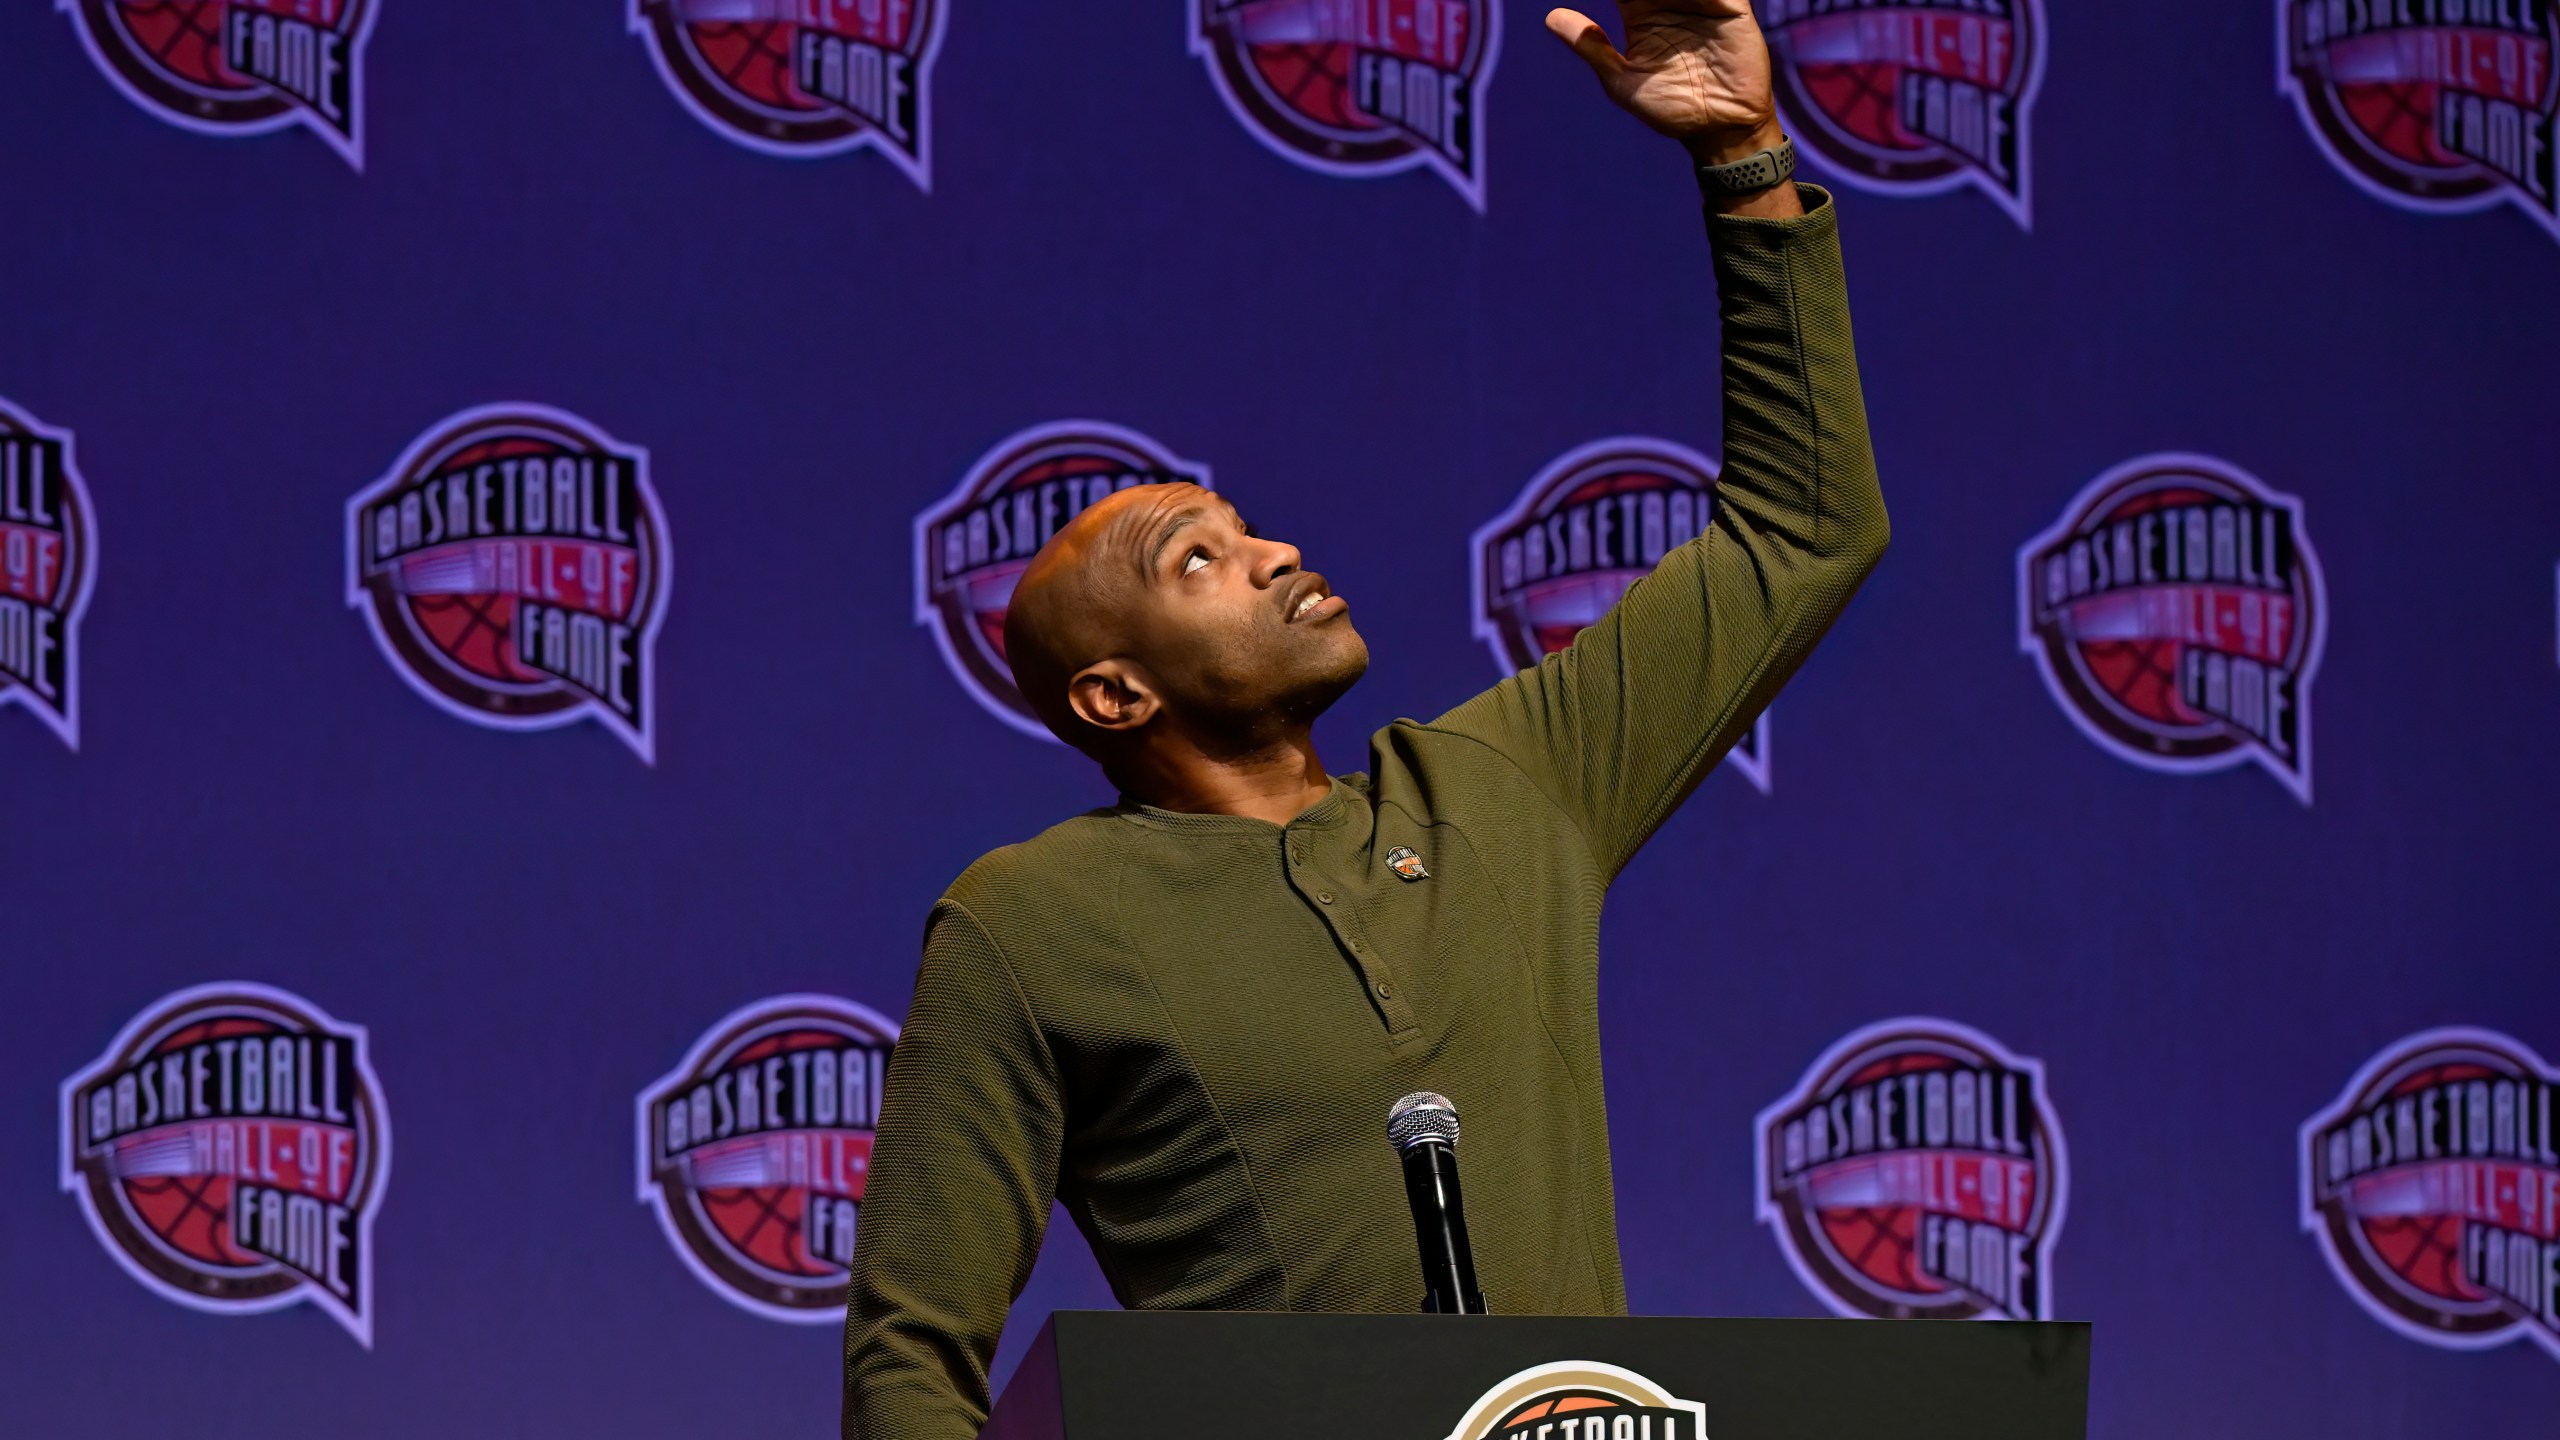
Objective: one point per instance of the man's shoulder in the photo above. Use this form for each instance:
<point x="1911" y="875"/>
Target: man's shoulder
<point x="1015" y="892"/>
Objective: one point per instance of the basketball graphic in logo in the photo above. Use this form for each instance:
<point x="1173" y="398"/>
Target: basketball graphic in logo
<point x="1917" y="1172"/>
<point x="514" y="567"/>
<point x="1369" y="88"/>
<point x="2433" y="1185"/>
<point x="803" y="78"/>
<point x="2177" y="614"/>
<point x="1912" y="99"/>
<point x="237" y="67"/>
<point x="230" y="1150"/>
<point x="1591" y="524"/>
<point x="755" y="1150"/>
<point x="974" y="544"/>
<point x="2439" y="106"/>
<point x="48" y="564"/>
<point x="1572" y="1399"/>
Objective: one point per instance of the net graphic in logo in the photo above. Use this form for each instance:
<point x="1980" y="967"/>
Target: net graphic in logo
<point x="2177" y="614"/>
<point x="803" y="78"/>
<point x="1586" y="528"/>
<point x="1357" y="87"/>
<point x="513" y="566"/>
<point x="2433" y="1185"/>
<point x="754" y="1151"/>
<point x="1917" y="1172"/>
<point x="230" y="1149"/>
<point x="2438" y="106"/>
<point x="48" y="564"/>
<point x="1581" y="1400"/>
<point x="974" y="544"/>
<point x="237" y="67"/>
<point x="1915" y="98"/>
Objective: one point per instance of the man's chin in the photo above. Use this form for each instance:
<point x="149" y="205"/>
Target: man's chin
<point x="1317" y="690"/>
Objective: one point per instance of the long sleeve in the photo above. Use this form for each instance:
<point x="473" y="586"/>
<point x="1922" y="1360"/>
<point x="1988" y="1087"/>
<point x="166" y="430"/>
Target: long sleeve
<point x="958" y="1196"/>
<point x="1618" y="727"/>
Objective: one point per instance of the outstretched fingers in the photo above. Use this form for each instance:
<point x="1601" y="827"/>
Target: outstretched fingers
<point x="1588" y="41"/>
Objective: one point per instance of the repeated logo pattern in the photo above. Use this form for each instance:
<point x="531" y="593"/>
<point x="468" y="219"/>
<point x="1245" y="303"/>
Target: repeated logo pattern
<point x="237" y="67"/>
<point x="230" y="1150"/>
<point x="513" y="566"/>
<point x="48" y="565"/>
<point x="1917" y="1171"/>
<point x="803" y="78"/>
<point x="1357" y="87"/>
<point x="2177" y="614"/>
<point x="755" y="1149"/>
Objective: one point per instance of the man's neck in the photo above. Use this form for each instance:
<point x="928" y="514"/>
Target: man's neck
<point x="1273" y="784"/>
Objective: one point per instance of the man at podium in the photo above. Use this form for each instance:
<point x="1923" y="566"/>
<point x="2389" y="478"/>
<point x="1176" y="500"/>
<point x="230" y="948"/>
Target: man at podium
<point x="1186" y="1015"/>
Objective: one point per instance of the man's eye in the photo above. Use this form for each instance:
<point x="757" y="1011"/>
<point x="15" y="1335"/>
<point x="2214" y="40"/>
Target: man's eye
<point x="1196" y="560"/>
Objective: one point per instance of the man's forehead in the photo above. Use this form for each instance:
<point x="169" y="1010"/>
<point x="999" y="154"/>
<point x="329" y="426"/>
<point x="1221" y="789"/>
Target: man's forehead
<point x="1147" y="511"/>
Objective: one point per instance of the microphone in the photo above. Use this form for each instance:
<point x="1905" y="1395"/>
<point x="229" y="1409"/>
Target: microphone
<point x="1424" y="1128"/>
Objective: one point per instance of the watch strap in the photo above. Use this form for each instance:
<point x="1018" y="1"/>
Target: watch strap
<point x="1756" y="171"/>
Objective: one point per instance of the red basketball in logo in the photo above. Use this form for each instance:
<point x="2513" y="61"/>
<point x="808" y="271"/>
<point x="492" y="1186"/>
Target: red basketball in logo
<point x="803" y="78"/>
<point x="237" y="67"/>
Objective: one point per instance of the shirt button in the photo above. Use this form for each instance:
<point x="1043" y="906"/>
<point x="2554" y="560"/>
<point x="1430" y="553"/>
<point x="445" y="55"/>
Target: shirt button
<point x="1324" y="897"/>
<point x="1386" y="991"/>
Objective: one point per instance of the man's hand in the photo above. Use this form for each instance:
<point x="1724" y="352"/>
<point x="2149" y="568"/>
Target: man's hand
<point x="1695" y="70"/>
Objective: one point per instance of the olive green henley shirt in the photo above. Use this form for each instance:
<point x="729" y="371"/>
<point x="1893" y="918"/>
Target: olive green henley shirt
<point x="1188" y="1028"/>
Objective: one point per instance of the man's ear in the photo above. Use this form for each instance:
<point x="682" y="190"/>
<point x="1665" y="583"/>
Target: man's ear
<point x="1113" y="695"/>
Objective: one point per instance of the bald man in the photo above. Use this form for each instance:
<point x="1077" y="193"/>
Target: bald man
<point x="1185" y="1016"/>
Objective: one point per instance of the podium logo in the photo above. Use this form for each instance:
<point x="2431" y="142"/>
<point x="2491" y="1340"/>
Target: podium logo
<point x="2177" y="614"/>
<point x="513" y="567"/>
<point x="1357" y="87"/>
<point x="236" y="67"/>
<point x="1912" y="101"/>
<point x="754" y="1151"/>
<point x="230" y="1150"/>
<point x="1580" y="533"/>
<point x="2433" y="1185"/>
<point x="973" y="545"/>
<point x="1581" y="1400"/>
<point x="1917" y="1171"/>
<point x="48" y="562"/>
<point x="803" y="78"/>
<point x="2440" y="106"/>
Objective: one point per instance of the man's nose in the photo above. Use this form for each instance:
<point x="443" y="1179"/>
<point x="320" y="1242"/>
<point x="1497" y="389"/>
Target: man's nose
<point x="1278" y="558"/>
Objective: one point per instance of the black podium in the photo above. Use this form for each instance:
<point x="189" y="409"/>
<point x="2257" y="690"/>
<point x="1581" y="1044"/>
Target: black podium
<point x="1173" y="1375"/>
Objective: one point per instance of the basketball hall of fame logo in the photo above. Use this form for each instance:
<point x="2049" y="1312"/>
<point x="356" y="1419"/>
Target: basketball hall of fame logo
<point x="237" y="67"/>
<point x="1357" y="87"/>
<point x="2433" y="1185"/>
<point x="2177" y="614"/>
<point x="1915" y="97"/>
<point x="1580" y="533"/>
<point x="755" y="1149"/>
<point x="48" y="563"/>
<point x="803" y="77"/>
<point x="2430" y="105"/>
<point x="230" y="1149"/>
<point x="973" y="545"/>
<point x="1917" y="1171"/>
<point x="1581" y="1400"/>
<point x="513" y="566"/>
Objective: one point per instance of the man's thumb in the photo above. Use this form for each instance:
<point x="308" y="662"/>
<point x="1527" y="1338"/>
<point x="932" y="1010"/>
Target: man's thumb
<point x="1587" y="39"/>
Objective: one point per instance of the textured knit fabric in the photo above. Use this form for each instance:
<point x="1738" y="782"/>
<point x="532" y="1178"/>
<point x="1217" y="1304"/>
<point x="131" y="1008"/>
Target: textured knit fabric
<point x="1188" y="1028"/>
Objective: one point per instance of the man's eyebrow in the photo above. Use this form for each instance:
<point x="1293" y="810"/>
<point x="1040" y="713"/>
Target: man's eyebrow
<point x="1187" y="515"/>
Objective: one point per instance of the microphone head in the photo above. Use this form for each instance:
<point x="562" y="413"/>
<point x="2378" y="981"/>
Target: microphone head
<point x="1422" y="1117"/>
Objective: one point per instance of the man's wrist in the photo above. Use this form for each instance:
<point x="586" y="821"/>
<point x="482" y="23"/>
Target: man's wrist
<point x="1724" y="146"/>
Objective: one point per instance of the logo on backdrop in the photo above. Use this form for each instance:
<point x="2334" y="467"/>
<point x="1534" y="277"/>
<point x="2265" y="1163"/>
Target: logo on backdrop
<point x="1917" y="1171"/>
<point x="48" y="563"/>
<point x="803" y="77"/>
<point x="513" y="566"/>
<point x="975" y="543"/>
<point x="2432" y="105"/>
<point x="230" y="1150"/>
<point x="236" y="67"/>
<point x="1357" y="87"/>
<point x="1590" y="525"/>
<point x="2433" y="1184"/>
<point x="754" y="1151"/>
<point x="1914" y="99"/>
<point x="2177" y="614"/>
<point x="1581" y="1398"/>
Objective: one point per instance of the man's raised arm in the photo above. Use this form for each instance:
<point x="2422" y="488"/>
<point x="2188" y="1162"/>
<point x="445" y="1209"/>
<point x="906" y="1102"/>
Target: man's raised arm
<point x="958" y="1194"/>
<point x="1618" y="728"/>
